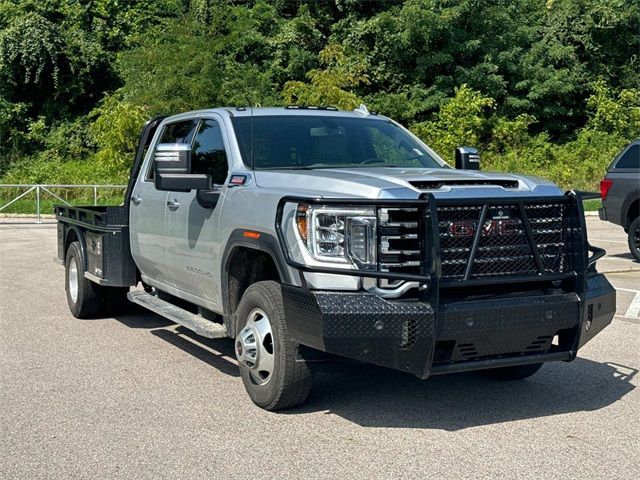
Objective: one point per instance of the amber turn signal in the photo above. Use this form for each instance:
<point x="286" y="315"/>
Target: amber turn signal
<point x="301" y="220"/>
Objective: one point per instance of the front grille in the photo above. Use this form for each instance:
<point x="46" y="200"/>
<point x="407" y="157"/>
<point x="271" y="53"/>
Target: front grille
<point x="400" y="245"/>
<point x="504" y="244"/>
<point x="515" y="240"/>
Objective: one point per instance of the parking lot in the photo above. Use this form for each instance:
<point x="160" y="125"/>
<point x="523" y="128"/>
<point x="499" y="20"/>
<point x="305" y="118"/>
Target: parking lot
<point x="138" y="397"/>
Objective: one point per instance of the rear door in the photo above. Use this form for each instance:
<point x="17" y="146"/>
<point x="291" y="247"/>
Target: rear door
<point x="193" y="230"/>
<point x="148" y="208"/>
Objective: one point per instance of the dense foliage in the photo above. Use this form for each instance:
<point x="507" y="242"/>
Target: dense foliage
<point x="550" y="88"/>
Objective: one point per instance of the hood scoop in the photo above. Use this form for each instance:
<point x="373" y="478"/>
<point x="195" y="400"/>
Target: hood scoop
<point x="436" y="184"/>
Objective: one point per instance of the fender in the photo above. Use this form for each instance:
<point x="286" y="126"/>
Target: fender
<point x="632" y="197"/>
<point x="80" y="237"/>
<point x="266" y="243"/>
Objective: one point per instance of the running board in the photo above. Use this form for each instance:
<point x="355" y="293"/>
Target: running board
<point x="187" y="319"/>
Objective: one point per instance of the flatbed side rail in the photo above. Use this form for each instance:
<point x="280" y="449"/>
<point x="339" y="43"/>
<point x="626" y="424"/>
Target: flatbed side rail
<point x="101" y="218"/>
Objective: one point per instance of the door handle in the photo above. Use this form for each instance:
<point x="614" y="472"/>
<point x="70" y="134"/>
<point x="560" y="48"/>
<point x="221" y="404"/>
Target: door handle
<point x="136" y="200"/>
<point x="173" y="204"/>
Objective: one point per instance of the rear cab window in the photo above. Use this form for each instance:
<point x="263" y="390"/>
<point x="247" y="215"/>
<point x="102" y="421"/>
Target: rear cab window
<point x="630" y="159"/>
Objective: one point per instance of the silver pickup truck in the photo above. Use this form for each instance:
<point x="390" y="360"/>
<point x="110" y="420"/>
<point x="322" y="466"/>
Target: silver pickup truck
<point x="309" y="233"/>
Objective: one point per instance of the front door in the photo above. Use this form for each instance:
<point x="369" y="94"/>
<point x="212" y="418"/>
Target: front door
<point x="148" y="209"/>
<point x="192" y="230"/>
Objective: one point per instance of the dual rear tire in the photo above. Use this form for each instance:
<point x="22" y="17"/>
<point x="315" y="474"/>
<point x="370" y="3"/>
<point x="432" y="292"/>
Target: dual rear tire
<point x="85" y="298"/>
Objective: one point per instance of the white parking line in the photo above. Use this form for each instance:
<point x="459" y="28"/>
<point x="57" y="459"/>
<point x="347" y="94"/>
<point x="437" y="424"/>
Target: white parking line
<point x="634" y="309"/>
<point x="628" y="290"/>
<point x="608" y="241"/>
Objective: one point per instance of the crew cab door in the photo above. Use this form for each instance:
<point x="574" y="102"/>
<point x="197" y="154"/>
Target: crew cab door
<point x="192" y="232"/>
<point x="148" y="207"/>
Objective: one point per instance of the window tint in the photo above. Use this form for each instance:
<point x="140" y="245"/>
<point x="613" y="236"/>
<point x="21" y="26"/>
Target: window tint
<point x="208" y="154"/>
<point x="179" y="132"/>
<point x="631" y="158"/>
<point x="322" y="141"/>
<point x="393" y="148"/>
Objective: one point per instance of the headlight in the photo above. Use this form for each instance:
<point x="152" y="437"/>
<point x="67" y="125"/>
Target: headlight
<point x="339" y="235"/>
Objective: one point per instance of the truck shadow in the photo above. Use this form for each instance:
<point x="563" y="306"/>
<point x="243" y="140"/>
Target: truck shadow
<point x="372" y="396"/>
<point x="377" y="397"/>
<point x="217" y="353"/>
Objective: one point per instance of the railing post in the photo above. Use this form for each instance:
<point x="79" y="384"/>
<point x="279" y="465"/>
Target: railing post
<point x="95" y="195"/>
<point x="38" y="203"/>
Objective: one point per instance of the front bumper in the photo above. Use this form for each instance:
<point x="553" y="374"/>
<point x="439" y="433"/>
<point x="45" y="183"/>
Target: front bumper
<point x="426" y="339"/>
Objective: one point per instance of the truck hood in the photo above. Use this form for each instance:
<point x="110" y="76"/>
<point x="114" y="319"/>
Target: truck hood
<point x="389" y="182"/>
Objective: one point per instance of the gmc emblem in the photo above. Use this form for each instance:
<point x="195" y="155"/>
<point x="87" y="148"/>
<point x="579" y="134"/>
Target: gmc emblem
<point x="491" y="228"/>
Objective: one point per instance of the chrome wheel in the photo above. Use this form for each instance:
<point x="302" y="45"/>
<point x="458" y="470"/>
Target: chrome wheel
<point x="73" y="279"/>
<point x="636" y="237"/>
<point x="255" y="348"/>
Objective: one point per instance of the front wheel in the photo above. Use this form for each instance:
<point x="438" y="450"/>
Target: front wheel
<point x="634" y="238"/>
<point x="517" y="372"/>
<point x="266" y="354"/>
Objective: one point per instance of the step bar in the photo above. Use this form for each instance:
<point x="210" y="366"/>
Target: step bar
<point x="193" y="322"/>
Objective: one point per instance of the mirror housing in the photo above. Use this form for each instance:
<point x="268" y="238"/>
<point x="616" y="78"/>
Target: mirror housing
<point x="467" y="158"/>
<point x="172" y="158"/>
<point x="182" y="182"/>
<point x="172" y="164"/>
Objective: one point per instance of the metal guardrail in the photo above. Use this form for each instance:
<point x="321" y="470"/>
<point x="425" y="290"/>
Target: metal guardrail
<point x="45" y="189"/>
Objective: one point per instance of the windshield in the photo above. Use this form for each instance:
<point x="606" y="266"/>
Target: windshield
<point x="297" y="141"/>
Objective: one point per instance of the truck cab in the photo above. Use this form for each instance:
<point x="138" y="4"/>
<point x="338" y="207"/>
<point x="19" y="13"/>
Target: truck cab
<point x="304" y="233"/>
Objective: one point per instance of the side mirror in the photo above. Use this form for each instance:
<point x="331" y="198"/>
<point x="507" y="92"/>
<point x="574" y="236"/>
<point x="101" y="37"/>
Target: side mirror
<point x="467" y="158"/>
<point x="172" y="164"/>
<point x="172" y="158"/>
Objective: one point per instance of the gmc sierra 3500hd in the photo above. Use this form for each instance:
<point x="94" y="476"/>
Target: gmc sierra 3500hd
<point x="301" y="230"/>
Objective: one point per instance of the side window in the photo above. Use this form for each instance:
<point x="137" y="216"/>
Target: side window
<point x="208" y="154"/>
<point x="179" y="132"/>
<point x="631" y="158"/>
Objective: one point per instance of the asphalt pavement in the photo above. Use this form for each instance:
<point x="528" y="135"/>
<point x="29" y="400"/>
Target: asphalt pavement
<point x="138" y="397"/>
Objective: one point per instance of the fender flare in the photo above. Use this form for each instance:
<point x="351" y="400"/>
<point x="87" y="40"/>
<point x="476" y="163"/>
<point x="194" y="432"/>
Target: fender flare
<point x="265" y="243"/>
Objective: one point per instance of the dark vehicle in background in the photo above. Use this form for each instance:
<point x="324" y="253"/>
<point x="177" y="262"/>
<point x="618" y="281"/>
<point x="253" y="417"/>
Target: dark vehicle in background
<point x="620" y="192"/>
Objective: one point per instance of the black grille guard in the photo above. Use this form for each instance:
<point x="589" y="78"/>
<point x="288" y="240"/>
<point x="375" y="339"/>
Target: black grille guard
<point x="581" y="255"/>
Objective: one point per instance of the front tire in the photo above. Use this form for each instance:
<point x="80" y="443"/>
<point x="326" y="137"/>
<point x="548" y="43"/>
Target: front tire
<point x="266" y="353"/>
<point x="634" y="238"/>
<point x="517" y="372"/>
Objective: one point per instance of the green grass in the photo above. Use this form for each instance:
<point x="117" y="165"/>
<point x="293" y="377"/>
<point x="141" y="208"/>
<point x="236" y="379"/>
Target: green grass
<point x="592" y="205"/>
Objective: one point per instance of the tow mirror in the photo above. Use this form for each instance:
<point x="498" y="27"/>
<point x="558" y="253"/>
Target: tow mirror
<point x="467" y="158"/>
<point x="172" y="164"/>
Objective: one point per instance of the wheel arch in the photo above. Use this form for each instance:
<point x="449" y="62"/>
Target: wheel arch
<point x="631" y="208"/>
<point x="247" y="260"/>
<point x="74" y="234"/>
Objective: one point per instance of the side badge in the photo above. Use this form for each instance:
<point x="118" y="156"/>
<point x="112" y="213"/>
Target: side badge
<point x="238" y="180"/>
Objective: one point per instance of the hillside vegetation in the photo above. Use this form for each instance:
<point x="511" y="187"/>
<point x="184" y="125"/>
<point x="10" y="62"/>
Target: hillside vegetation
<point x="549" y="88"/>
